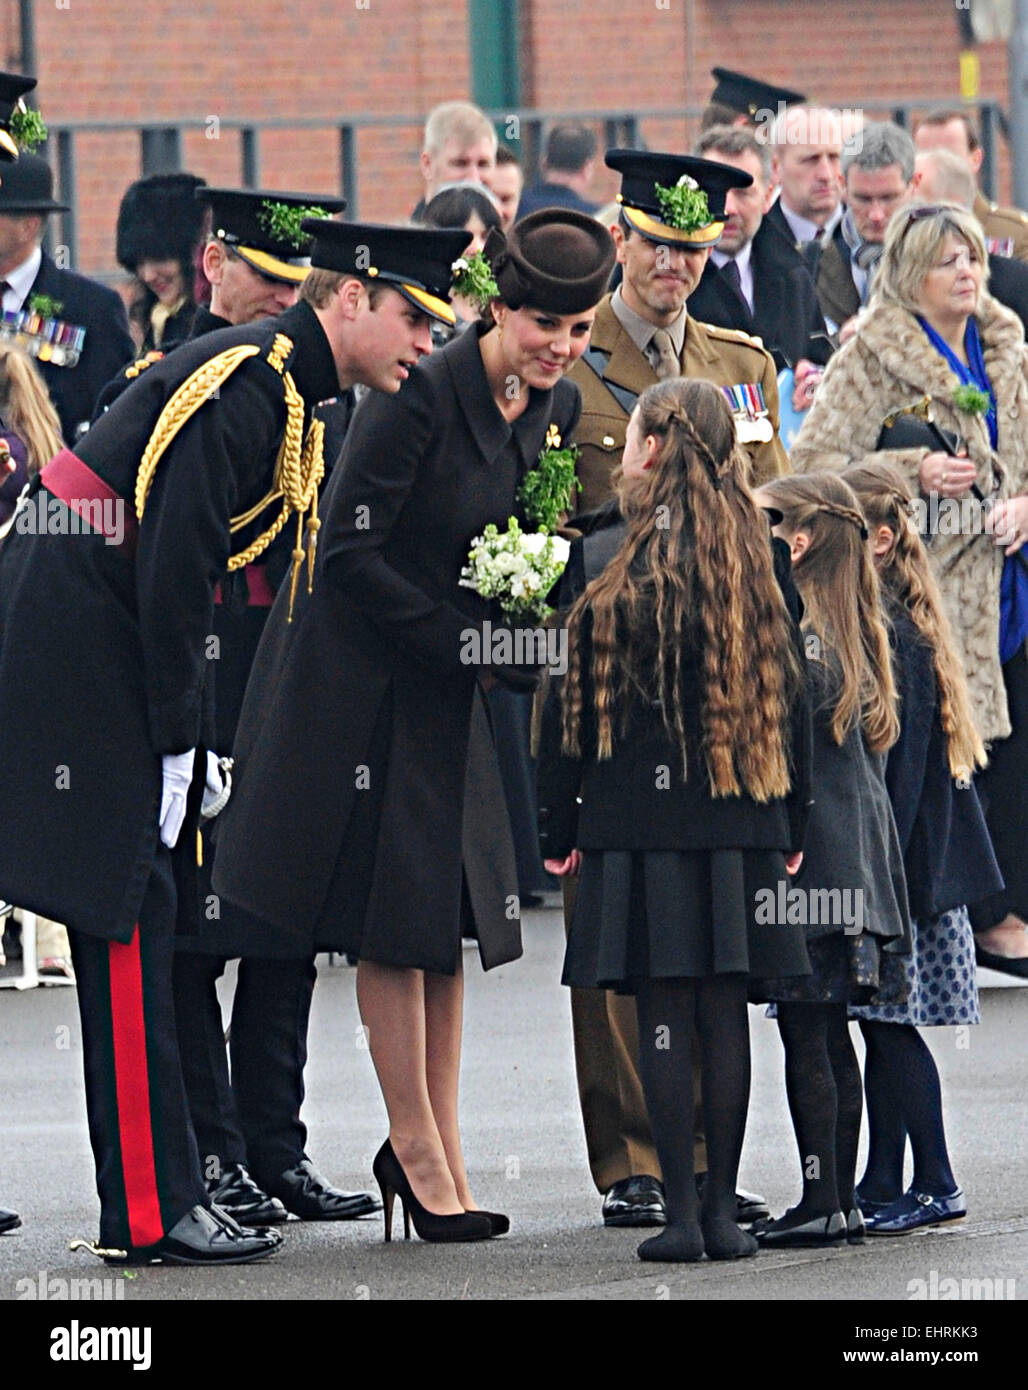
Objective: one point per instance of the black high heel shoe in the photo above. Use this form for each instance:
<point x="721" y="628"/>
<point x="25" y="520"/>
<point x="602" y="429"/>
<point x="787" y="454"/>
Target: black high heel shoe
<point x="499" y="1223"/>
<point x="392" y="1180"/>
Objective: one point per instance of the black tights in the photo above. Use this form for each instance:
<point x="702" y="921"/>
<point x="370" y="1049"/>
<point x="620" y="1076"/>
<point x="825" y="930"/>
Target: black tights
<point x="822" y="1081"/>
<point x="668" y="1012"/>
<point x="903" y="1098"/>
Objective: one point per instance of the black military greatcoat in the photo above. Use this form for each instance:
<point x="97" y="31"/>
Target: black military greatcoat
<point x="366" y="793"/>
<point x="104" y="649"/>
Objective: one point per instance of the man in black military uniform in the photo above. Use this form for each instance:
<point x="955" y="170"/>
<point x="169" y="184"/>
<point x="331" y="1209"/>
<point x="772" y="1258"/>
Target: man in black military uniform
<point x="76" y="329"/>
<point x="106" y="596"/>
<point x="739" y="99"/>
<point x="255" y="262"/>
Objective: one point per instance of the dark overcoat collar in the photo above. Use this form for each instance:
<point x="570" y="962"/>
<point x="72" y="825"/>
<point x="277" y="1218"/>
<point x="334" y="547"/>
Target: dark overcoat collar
<point x="490" y="430"/>
<point x="311" y="363"/>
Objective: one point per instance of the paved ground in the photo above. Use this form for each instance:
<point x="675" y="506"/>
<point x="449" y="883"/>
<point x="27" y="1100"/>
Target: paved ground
<point x="527" y="1157"/>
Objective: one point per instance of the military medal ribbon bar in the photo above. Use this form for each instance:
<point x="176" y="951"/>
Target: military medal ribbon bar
<point x="750" y="410"/>
<point x="51" y="340"/>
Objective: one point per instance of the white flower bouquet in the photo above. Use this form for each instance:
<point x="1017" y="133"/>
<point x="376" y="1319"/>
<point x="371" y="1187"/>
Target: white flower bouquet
<point x="516" y="568"/>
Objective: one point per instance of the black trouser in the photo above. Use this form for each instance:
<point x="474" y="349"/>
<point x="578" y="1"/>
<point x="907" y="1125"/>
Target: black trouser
<point x="147" y="1168"/>
<point x="255" y="1117"/>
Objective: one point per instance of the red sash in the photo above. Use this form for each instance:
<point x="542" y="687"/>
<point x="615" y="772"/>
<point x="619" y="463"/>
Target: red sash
<point x="76" y="485"/>
<point x="262" y="595"/>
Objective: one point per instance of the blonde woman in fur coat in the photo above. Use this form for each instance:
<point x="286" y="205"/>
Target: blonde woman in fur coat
<point x="933" y="329"/>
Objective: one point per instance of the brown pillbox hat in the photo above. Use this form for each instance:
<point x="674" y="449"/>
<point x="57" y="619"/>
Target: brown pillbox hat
<point x="554" y="259"/>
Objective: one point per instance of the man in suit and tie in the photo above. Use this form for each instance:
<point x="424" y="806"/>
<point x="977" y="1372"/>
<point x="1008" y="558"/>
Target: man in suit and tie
<point x="806" y="145"/>
<point x="672" y="212"/>
<point x="77" y="330"/>
<point x="755" y="278"/>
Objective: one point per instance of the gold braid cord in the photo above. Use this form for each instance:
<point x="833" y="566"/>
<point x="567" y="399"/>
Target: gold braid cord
<point x="299" y="468"/>
<point x="194" y="392"/>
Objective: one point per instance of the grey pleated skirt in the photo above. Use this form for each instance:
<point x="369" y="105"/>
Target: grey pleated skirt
<point x="678" y="914"/>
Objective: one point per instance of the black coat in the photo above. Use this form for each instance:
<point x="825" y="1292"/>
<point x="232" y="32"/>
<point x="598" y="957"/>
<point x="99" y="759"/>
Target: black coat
<point x="107" y="347"/>
<point x="104" y="651"/>
<point x="947" y="852"/>
<point x="832" y="268"/>
<point x="1008" y="282"/>
<point x="205" y="924"/>
<point x="552" y="195"/>
<point x="367" y="690"/>
<point x="785" y="316"/>
<point x="622" y="802"/>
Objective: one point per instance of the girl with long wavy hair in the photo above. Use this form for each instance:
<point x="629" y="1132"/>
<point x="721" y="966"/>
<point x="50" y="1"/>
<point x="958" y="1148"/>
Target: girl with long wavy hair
<point x="850" y="892"/>
<point x="949" y="861"/>
<point x="682" y="727"/>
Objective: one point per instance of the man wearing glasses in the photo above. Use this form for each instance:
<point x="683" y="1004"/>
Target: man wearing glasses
<point x="877" y="167"/>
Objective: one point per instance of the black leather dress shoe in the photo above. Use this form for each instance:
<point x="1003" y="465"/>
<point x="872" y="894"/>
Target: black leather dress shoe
<point x="204" y="1236"/>
<point x="237" y="1193"/>
<point x="9" y="1220"/>
<point x="303" y="1191"/>
<point x="749" y="1207"/>
<point x="635" y="1201"/>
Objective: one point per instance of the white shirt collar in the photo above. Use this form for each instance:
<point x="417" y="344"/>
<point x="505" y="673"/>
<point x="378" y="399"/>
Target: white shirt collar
<point x="805" y="230"/>
<point x="743" y="259"/>
<point x="20" y="281"/>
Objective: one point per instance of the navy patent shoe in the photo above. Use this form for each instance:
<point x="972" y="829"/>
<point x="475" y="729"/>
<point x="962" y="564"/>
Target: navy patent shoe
<point x="868" y="1208"/>
<point x="914" y="1210"/>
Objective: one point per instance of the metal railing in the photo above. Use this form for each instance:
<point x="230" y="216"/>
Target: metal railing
<point x="160" y="142"/>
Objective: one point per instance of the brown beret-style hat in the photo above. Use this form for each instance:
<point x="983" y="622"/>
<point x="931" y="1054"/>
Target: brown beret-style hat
<point x="555" y="259"/>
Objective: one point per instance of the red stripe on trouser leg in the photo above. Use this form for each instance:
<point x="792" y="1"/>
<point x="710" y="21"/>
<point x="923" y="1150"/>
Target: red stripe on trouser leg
<point x="132" y="1081"/>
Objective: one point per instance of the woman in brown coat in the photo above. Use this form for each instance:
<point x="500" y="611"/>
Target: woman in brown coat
<point x="933" y="329"/>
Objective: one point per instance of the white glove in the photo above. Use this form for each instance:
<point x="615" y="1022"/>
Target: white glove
<point x="178" y="774"/>
<point x="217" y="786"/>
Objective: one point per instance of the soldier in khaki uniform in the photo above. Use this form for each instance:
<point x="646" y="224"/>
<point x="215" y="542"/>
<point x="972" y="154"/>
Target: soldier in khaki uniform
<point x="1006" y="229"/>
<point x="671" y="211"/>
<point x="951" y="128"/>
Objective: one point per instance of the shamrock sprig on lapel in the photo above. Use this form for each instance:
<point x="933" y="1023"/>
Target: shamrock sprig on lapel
<point x="45" y="306"/>
<point x="971" y="400"/>
<point x="548" y="488"/>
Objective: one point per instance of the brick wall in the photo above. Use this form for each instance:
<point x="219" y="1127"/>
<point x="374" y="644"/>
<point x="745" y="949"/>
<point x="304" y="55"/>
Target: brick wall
<point x="234" y="59"/>
<point x="660" y="53"/>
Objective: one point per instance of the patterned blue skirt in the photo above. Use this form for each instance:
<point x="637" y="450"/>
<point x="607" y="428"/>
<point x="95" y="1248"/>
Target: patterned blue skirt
<point x="939" y="975"/>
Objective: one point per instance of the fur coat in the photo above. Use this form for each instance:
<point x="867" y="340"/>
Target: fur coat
<point x="890" y="363"/>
